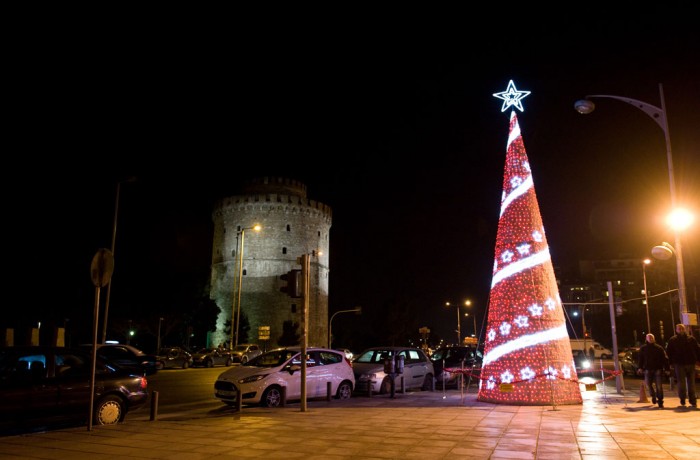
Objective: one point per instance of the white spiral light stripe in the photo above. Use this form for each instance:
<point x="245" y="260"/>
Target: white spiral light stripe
<point x="516" y="192"/>
<point x="523" y="264"/>
<point x="526" y="341"/>
<point x="515" y="132"/>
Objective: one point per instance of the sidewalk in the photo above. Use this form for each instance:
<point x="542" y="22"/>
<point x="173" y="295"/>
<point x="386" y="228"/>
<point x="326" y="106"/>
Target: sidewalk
<point x="425" y="425"/>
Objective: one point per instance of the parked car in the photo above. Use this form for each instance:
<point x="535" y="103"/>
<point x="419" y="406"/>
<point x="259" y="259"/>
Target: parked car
<point x="210" y="357"/>
<point x="127" y="357"/>
<point x="628" y="362"/>
<point x="348" y="354"/>
<point x="173" y="358"/>
<point x="368" y="366"/>
<point x="244" y="352"/>
<point x="264" y="379"/>
<point x="43" y="385"/>
<point x="456" y="358"/>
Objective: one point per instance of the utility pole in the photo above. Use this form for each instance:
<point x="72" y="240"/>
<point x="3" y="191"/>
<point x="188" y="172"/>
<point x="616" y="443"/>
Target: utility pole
<point x="304" y="325"/>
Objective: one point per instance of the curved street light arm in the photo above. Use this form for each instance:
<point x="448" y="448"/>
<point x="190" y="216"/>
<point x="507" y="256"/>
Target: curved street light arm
<point x="330" y="321"/>
<point x="656" y="113"/>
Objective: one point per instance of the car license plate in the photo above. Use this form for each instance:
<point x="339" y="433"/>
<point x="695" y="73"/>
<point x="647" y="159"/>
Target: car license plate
<point x="227" y="393"/>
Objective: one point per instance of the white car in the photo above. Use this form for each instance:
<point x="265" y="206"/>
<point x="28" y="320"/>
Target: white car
<point x="244" y="352"/>
<point x="370" y="373"/>
<point x="265" y="379"/>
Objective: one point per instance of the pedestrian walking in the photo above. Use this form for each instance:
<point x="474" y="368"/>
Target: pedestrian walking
<point x="653" y="361"/>
<point x="683" y="352"/>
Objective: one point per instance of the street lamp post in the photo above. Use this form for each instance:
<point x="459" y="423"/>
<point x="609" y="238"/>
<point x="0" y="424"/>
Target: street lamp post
<point x="160" y="320"/>
<point x="357" y="310"/>
<point x="114" y="240"/>
<point x="459" y="321"/>
<point x="646" y="262"/>
<point x="237" y="309"/>
<point x="474" y="318"/>
<point x="657" y="114"/>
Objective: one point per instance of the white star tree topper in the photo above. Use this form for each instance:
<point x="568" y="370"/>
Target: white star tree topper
<point x="512" y="97"/>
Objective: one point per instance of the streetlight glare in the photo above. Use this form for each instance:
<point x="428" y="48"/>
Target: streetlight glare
<point x="680" y="219"/>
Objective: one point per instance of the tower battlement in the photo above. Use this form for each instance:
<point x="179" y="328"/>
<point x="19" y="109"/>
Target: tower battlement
<point x="271" y="201"/>
<point x="279" y="185"/>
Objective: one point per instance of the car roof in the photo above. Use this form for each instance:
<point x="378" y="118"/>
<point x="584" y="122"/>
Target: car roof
<point x="298" y="348"/>
<point x="391" y="348"/>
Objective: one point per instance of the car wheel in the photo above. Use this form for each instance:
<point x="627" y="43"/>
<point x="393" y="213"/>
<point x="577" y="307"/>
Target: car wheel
<point x="109" y="411"/>
<point x="160" y="365"/>
<point x="244" y="359"/>
<point x="209" y="363"/>
<point x="185" y="364"/>
<point x="229" y="362"/>
<point x="428" y="383"/>
<point x="272" y="397"/>
<point x="344" y="391"/>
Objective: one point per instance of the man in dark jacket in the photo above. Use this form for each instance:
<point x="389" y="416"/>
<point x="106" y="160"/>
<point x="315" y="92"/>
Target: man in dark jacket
<point x="683" y="351"/>
<point x="654" y="362"/>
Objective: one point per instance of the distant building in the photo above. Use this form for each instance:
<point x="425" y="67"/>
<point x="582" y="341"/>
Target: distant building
<point x="292" y="225"/>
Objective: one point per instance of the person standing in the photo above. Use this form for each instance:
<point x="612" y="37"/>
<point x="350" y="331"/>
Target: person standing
<point x="683" y="351"/>
<point x="654" y="362"/>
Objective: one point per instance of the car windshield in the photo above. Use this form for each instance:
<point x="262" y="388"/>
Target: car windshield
<point x="242" y="348"/>
<point x="204" y="351"/>
<point x="374" y="356"/>
<point x="272" y="358"/>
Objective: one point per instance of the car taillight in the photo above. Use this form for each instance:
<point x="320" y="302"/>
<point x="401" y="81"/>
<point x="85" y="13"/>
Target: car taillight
<point x="144" y="383"/>
<point x="348" y="361"/>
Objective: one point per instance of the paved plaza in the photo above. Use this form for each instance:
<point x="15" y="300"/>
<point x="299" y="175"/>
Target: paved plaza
<point x="420" y="425"/>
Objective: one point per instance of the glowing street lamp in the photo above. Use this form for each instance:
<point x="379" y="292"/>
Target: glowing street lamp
<point x="237" y="308"/>
<point x="585" y="106"/>
<point x="459" y="322"/>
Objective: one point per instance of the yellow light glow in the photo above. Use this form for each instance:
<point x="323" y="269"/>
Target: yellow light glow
<point x="680" y="219"/>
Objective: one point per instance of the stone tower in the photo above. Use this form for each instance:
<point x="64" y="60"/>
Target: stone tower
<point x="292" y="225"/>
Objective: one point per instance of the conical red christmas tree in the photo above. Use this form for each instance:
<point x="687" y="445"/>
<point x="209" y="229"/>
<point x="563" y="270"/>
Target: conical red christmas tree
<point x="527" y="353"/>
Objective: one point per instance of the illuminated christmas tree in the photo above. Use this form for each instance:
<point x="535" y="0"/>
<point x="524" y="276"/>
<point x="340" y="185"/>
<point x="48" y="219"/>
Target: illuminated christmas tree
<point x="527" y="353"/>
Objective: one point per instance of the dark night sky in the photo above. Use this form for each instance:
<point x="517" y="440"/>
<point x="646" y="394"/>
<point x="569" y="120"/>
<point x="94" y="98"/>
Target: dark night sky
<point x="397" y="131"/>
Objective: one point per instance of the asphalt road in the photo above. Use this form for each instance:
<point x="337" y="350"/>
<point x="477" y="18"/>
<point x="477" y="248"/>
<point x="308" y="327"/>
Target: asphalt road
<point x="190" y="392"/>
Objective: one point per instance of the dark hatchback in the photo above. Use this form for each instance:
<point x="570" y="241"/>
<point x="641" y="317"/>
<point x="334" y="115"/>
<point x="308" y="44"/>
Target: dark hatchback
<point x="450" y="363"/>
<point x="127" y="357"/>
<point x="628" y="362"/>
<point x="43" y="387"/>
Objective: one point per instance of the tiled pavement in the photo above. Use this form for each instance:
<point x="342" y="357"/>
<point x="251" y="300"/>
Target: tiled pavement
<point x="425" y="425"/>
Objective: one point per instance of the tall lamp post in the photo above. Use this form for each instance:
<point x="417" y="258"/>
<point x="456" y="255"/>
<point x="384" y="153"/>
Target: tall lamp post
<point x="466" y="315"/>
<point x="657" y="114"/>
<point x="236" y="309"/>
<point x="114" y="241"/>
<point x="646" y="262"/>
<point x="357" y="310"/>
<point x="459" y="321"/>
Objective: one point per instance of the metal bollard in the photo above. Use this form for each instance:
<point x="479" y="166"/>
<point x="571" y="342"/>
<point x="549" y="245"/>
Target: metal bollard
<point x="328" y="391"/>
<point x="239" y="400"/>
<point x="154" y="405"/>
<point x="369" y="388"/>
<point x="403" y="387"/>
<point x="283" y="394"/>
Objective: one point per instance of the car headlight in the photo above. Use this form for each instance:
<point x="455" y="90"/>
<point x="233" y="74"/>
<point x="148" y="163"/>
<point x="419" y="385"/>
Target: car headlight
<point x="585" y="364"/>
<point x="252" y="378"/>
<point x="368" y="376"/>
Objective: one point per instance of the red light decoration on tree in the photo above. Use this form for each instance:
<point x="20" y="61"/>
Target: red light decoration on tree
<point x="527" y="353"/>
